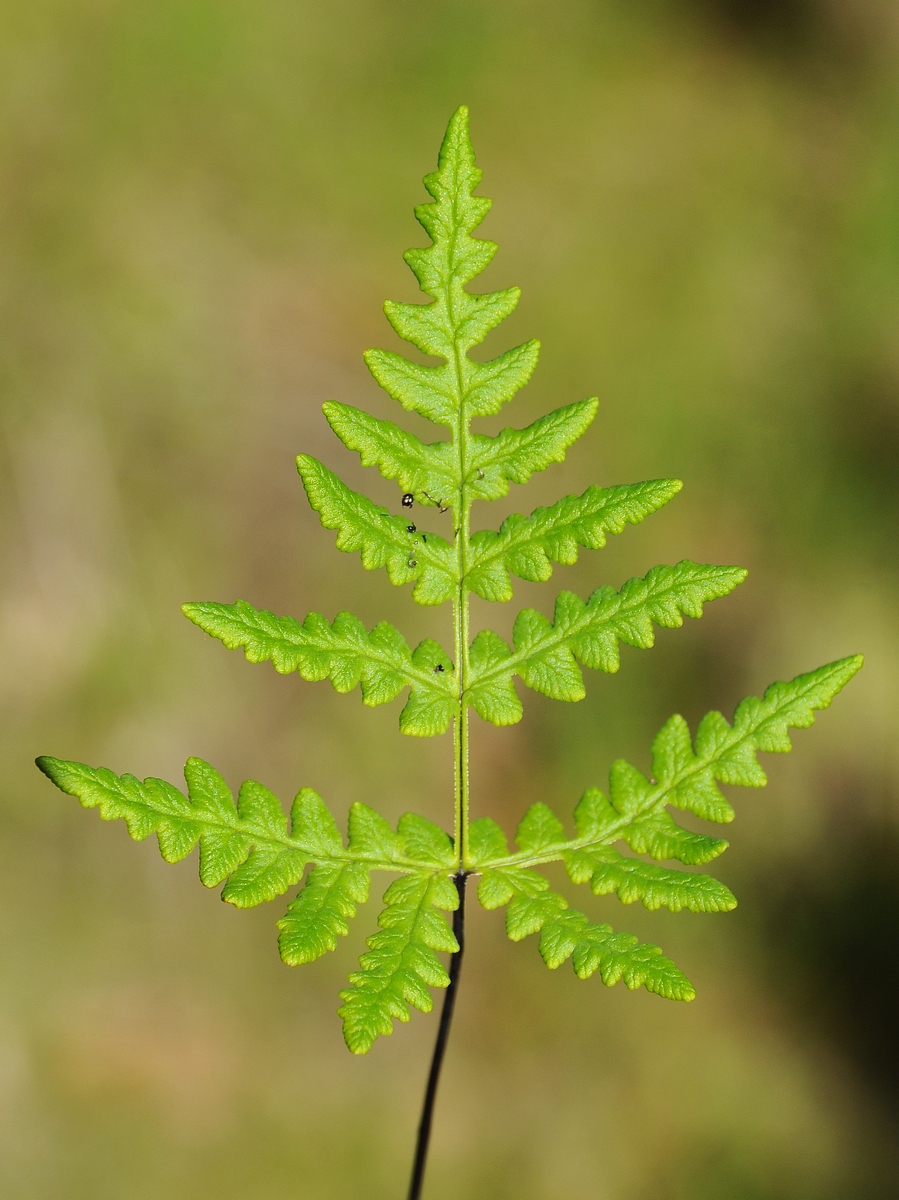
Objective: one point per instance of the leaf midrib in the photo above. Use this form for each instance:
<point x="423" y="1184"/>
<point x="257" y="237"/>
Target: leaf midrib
<point x="375" y="653"/>
<point x="556" y="638"/>
<point x="259" y="838"/>
<point x="529" y="530"/>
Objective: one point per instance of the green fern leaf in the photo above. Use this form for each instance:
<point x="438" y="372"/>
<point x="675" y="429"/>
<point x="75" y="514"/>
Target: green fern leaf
<point x="636" y="812"/>
<point x="400" y="964"/>
<point x="426" y="842"/>
<point x="725" y="753"/>
<point x="655" y="834"/>
<point x="566" y="933"/>
<point x="546" y="653"/>
<point x="615" y="956"/>
<point x="434" y="392"/>
<point x="425" y="470"/>
<point x="319" y="914"/>
<point x="249" y="844"/>
<point x="432" y="472"/>
<point x="344" y="652"/>
<point x="249" y="847"/>
<point x="656" y="887"/>
<point x="455" y="320"/>
<point x="486" y="843"/>
<point x="382" y="540"/>
<point x="528" y="546"/>
<point x="429" y="391"/>
<point x="514" y="455"/>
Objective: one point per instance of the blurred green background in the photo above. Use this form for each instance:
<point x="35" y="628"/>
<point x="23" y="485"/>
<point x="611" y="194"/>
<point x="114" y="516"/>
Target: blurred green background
<point x="203" y="206"/>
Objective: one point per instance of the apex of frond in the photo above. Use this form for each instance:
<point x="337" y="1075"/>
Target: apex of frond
<point x="458" y="135"/>
<point x="456" y="174"/>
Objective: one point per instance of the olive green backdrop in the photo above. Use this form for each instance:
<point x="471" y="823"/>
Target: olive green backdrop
<point x="203" y="204"/>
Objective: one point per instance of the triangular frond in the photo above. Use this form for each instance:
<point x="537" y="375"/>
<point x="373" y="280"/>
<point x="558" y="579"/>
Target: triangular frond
<point x="248" y="845"/>
<point x="455" y="320"/>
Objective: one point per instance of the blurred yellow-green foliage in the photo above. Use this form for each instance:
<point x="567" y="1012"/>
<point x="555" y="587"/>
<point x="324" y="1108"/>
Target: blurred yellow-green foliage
<point x="203" y="205"/>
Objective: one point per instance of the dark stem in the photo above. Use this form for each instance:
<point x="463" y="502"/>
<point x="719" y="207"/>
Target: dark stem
<point x="446" y="1020"/>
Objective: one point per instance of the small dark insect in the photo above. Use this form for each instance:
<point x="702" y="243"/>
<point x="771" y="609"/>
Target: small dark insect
<point x="440" y="505"/>
<point x="410" y="529"/>
<point x="424" y="537"/>
<point x="439" y="667"/>
<point x="412" y="562"/>
<point x="408" y="500"/>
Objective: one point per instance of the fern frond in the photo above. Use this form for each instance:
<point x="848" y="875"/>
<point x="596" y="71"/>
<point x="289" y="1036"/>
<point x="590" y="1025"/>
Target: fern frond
<point x="247" y="844"/>
<point x="686" y="778"/>
<point x="344" y="652"/>
<point x="249" y="847"/>
<point x="400" y="964"/>
<point x="528" y="546"/>
<point x="546" y="653"/>
<point x="319" y="914"/>
<point x="425" y="470"/>
<point x="455" y="320"/>
<point x="566" y="933"/>
<point x="514" y="455"/>
<point x="383" y="540"/>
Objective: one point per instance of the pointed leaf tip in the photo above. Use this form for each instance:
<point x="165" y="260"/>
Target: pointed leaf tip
<point x="45" y="763"/>
<point x="459" y="119"/>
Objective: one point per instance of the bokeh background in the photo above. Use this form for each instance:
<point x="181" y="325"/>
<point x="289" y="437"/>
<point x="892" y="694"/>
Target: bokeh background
<point x="203" y="206"/>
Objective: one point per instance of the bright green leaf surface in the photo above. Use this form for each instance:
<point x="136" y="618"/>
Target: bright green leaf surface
<point x="249" y="846"/>
<point x="382" y="540"/>
<point x="425" y="470"/>
<point x="685" y="778"/>
<point x="566" y="933"/>
<point x="514" y="455"/>
<point x="528" y="546"/>
<point x="656" y="887"/>
<point x="546" y="653"/>
<point x="400" y="963"/>
<point x="319" y="914"/>
<point x="344" y="652"/>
